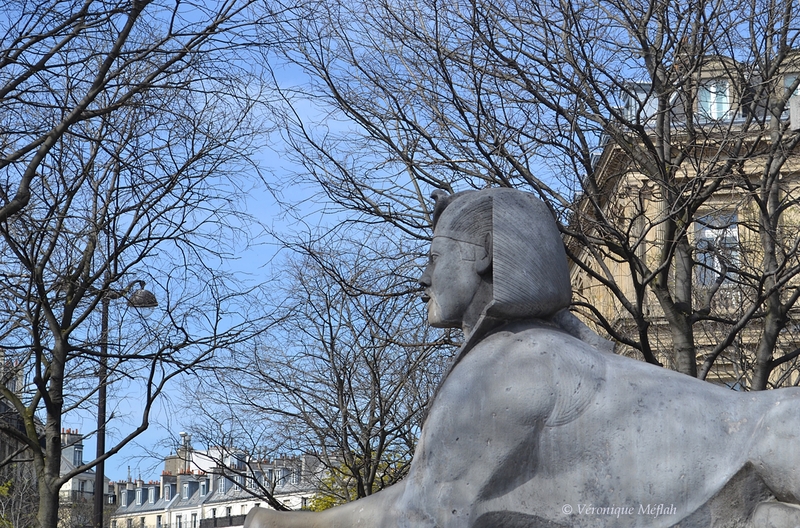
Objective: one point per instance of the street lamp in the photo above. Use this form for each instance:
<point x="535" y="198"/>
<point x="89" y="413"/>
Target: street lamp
<point x="140" y="299"/>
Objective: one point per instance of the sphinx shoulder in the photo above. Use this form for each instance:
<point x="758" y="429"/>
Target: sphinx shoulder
<point x="541" y="361"/>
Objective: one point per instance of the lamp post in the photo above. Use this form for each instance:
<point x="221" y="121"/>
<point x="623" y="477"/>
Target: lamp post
<point x="139" y="299"/>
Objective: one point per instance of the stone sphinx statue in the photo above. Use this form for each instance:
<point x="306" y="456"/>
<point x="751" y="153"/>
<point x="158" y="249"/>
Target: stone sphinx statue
<point x="538" y="425"/>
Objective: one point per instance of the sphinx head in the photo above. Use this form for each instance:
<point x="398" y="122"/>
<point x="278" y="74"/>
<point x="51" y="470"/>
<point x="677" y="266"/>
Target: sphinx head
<point x="495" y="253"/>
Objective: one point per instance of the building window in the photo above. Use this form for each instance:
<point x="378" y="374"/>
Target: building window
<point x="213" y="513"/>
<point x="717" y="243"/>
<point x="77" y="456"/>
<point x="203" y="488"/>
<point x="124" y="497"/>
<point x="178" y="522"/>
<point x="186" y="491"/>
<point x="167" y="492"/>
<point x="158" y="521"/>
<point x="228" y="511"/>
<point x="788" y="81"/>
<point x="194" y="520"/>
<point x="139" y="497"/>
<point x="141" y="522"/>
<point x="113" y="524"/>
<point x="151" y="497"/>
<point x="714" y="99"/>
<point x="641" y="105"/>
<point x="129" y="523"/>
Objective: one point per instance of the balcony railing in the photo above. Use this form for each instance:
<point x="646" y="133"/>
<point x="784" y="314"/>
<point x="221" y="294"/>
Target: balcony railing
<point x="77" y="496"/>
<point x="222" y="522"/>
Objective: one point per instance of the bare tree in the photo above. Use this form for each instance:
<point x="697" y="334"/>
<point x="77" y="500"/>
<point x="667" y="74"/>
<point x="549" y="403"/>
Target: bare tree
<point x="62" y="63"/>
<point x="18" y="495"/>
<point x="640" y="122"/>
<point x="347" y="374"/>
<point x="127" y="138"/>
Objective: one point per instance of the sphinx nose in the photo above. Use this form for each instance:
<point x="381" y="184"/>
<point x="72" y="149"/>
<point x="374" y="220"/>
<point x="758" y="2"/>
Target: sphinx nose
<point x="425" y="279"/>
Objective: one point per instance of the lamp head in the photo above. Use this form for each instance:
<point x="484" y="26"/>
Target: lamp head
<point x="142" y="298"/>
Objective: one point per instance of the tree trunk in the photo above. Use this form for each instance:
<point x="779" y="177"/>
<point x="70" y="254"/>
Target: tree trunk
<point x="768" y="232"/>
<point x="48" y="503"/>
<point x="678" y="307"/>
<point x="766" y="345"/>
<point x="48" y="470"/>
<point x="680" y="325"/>
<point x="50" y="467"/>
<point x="685" y="355"/>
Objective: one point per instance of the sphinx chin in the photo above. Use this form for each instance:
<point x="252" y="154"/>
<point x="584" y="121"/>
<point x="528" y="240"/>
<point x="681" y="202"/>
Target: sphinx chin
<point x="435" y="318"/>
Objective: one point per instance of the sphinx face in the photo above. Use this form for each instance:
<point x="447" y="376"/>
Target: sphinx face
<point x="450" y="281"/>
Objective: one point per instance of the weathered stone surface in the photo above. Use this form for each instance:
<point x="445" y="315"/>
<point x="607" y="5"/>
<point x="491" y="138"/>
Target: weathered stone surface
<point x="538" y="425"/>
<point x="776" y="515"/>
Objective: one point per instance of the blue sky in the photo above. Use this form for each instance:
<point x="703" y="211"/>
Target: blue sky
<point x="144" y="455"/>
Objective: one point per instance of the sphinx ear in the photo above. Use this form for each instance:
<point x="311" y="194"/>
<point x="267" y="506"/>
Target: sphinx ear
<point x="483" y="262"/>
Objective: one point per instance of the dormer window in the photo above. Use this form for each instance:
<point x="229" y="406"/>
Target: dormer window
<point x="713" y="99"/>
<point x="77" y="456"/>
<point x="640" y="104"/>
<point x="139" y="497"/>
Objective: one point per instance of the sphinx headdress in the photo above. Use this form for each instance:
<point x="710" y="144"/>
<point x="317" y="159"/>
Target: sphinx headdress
<point x="529" y="265"/>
